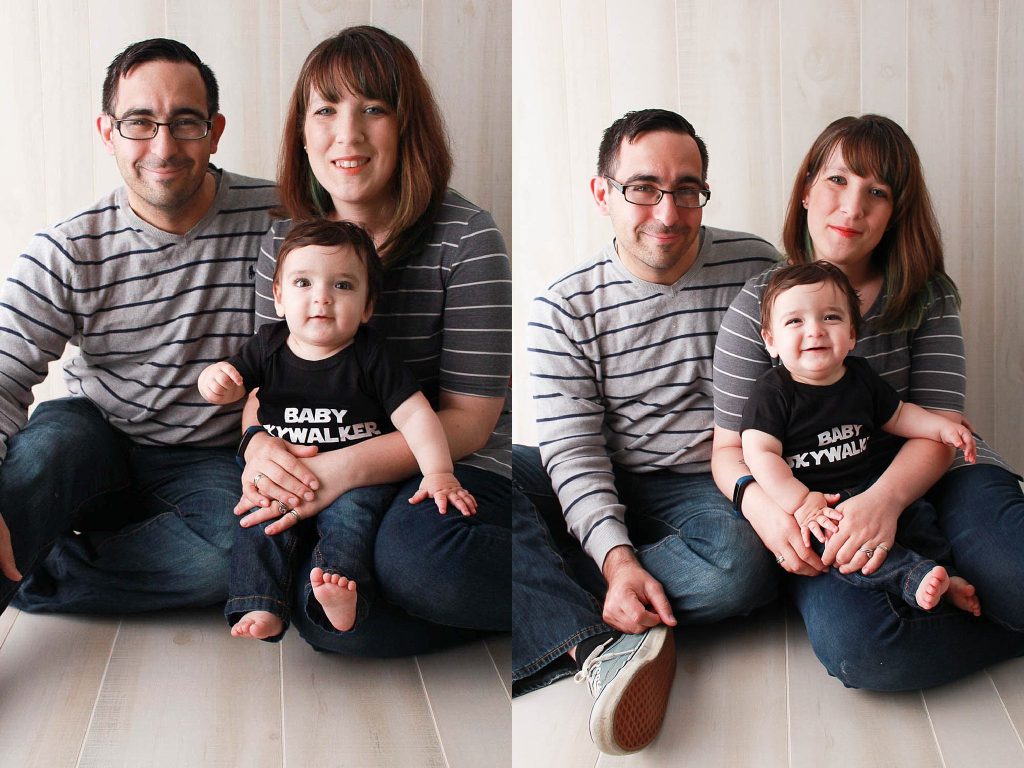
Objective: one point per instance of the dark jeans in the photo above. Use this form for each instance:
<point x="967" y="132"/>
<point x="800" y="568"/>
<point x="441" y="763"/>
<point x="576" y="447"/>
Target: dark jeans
<point x="155" y="522"/>
<point x="709" y="561"/>
<point x="443" y="579"/>
<point x="264" y="573"/>
<point x="871" y="639"/>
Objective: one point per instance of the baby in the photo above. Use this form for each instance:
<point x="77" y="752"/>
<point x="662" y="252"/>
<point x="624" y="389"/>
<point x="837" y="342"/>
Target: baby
<point x="325" y="379"/>
<point x="807" y="427"/>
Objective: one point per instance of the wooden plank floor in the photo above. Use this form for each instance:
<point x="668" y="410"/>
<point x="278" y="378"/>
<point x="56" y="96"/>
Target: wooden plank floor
<point x="751" y="693"/>
<point x="174" y="689"/>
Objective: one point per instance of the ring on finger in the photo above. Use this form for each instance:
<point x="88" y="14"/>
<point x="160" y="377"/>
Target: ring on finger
<point x="282" y="508"/>
<point x="868" y="551"/>
<point x="295" y="514"/>
<point x="883" y="548"/>
<point x="256" y="481"/>
<point x="780" y="559"/>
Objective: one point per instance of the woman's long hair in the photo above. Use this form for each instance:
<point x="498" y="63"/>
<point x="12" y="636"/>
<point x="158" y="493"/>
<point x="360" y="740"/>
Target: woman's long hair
<point x="910" y="252"/>
<point x="377" y="65"/>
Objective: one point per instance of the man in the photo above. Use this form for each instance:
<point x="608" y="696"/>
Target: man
<point x="620" y="358"/>
<point x="152" y="283"/>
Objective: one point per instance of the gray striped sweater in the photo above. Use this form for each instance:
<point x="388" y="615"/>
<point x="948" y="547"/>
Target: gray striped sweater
<point x="146" y="309"/>
<point x="925" y="366"/>
<point x="621" y="375"/>
<point x="446" y="311"/>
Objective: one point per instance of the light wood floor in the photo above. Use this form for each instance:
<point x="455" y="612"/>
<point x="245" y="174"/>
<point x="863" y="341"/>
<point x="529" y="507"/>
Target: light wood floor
<point x="751" y="693"/>
<point x="175" y="689"/>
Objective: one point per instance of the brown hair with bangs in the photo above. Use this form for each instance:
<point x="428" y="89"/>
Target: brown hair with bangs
<point x="377" y="65"/>
<point x="910" y="252"/>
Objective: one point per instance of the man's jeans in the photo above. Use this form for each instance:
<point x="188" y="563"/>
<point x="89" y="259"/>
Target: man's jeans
<point x="264" y="569"/>
<point x="709" y="561"/>
<point x="872" y="639"/>
<point x="155" y="522"/>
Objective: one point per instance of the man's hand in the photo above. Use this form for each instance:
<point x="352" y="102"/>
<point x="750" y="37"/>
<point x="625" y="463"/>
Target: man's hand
<point x="7" y="565"/>
<point x="635" y="601"/>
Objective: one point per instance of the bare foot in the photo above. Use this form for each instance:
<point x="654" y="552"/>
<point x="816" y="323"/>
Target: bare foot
<point x="963" y="595"/>
<point x="259" y="625"/>
<point x="337" y="596"/>
<point x="933" y="586"/>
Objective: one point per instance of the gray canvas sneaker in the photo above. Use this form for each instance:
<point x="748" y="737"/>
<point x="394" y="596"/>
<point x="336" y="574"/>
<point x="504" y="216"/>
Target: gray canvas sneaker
<point x="630" y="678"/>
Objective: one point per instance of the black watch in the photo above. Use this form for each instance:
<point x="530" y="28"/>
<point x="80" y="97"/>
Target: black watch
<point x="737" y="493"/>
<point x="246" y="439"/>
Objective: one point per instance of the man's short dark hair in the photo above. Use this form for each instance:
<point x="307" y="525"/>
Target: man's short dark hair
<point x="632" y="124"/>
<point x="339" y="234"/>
<point x="157" y="49"/>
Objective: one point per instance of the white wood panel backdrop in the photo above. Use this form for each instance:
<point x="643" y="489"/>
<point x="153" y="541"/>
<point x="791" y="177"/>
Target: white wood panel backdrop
<point x="55" y="53"/>
<point x="759" y="80"/>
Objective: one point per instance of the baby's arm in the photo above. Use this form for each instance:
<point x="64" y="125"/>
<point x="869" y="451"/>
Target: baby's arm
<point x="221" y="383"/>
<point x="914" y="421"/>
<point x="422" y="430"/>
<point x="762" y="453"/>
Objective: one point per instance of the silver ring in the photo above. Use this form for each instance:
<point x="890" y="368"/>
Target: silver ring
<point x="256" y="481"/>
<point x="282" y="508"/>
<point x="297" y="515"/>
<point x="779" y="559"/>
<point x="868" y="551"/>
<point x="883" y="548"/>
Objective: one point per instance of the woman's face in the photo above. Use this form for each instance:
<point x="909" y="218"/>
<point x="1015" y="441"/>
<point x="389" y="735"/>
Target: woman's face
<point x="847" y="214"/>
<point x="352" y="146"/>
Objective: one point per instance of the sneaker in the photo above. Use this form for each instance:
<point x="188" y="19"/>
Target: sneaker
<point x="630" y="678"/>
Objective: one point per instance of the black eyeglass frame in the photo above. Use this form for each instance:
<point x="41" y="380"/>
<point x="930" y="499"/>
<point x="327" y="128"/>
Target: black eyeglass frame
<point x="704" y="194"/>
<point x="116" y="123"/>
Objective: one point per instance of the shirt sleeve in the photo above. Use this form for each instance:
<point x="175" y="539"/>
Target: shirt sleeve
<point x="36" y="321"/>
<point x="476" y="353"/>
<point x="938" y="365"/>
<point x="740" y="354"/>
<point x="266" y="264"/>
<point x="767" y="408"/>
<point x="570" y="418"/>
<point x="390" y="377"/>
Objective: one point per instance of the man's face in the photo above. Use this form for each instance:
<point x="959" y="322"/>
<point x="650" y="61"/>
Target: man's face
<point x="657" y="243"/>
<point x="165" y="176"/>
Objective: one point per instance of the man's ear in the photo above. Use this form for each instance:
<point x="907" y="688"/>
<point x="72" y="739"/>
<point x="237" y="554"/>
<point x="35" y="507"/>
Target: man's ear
<point x="600" y="189"/>
<point x="216" y="130"/>
<point x="105" y="127"/>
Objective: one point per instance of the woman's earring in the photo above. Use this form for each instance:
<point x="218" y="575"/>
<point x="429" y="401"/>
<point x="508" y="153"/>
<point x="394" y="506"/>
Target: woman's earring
<point x="805" y="202"/>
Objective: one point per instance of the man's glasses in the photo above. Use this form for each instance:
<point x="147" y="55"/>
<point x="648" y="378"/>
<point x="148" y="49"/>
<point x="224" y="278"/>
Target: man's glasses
<point x="141" y="129"/>
<point x="645" y="194"/>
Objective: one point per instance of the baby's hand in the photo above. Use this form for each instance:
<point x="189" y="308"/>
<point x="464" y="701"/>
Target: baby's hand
<point x="444" y="487"/>
<point x="959" y="436"/>
<point x="221" y="383"/>
<point x="815" y="516"/>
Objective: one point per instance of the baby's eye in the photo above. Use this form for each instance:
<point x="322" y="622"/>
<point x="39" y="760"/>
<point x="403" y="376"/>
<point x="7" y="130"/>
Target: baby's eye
<point x="792" y="321"/>
<point x="301" y="282"/>
<point x="833" y="317"/>
<point x="343" y="285"/>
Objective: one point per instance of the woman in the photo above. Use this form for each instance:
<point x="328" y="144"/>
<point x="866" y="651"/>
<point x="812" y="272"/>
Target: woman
<point x="365" y="142"/>
<point x="860" y="202"/>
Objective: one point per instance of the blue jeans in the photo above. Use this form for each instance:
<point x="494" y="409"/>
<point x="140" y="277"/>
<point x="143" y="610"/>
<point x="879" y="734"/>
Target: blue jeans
<point x="919" y="547"/>
<point x="710" y="562"/>
<point x="264" y="573"/>
<point x="154" y="523"/>
<point x="441" y="579"/>
<point x="871" y="639"/>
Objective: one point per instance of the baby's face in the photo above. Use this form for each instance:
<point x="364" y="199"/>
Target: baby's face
<point x="321" y="293"/>
<point x="811" y="332"/>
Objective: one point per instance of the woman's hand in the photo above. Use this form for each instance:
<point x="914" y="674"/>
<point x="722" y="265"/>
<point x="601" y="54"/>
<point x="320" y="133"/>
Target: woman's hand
<point x="865" y="534"/>
<point x="275" y="471"/>
<point x="781" y="534"/>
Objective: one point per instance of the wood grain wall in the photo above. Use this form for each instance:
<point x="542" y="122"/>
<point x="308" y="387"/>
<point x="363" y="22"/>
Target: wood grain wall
<point x="55" y="55"/>
<point x="759" y="80"/>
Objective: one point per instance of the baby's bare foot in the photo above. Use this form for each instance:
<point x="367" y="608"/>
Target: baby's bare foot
<point x="963" y="595"/>
<point x="337" y="596"/>
<point x="933" y="586"/>
<point x="258" y="625"/>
